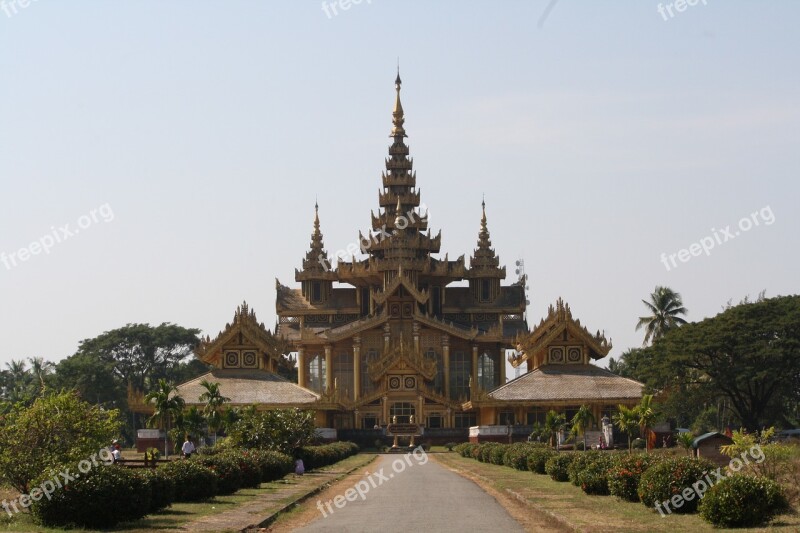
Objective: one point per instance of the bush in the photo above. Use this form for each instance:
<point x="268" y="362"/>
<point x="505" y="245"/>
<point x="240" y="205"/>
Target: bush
<point x="227" y="470"/>
<point x="272" y="465"/>
<point x="162" y="488"/>
<point x="99" y="499"/>
<point x="638" y="444"/>
<point x="497" y="453"/>
<point x="556" y="467"/>
<point x="484" y="451"/>
<point x="449" y="446"/>
<point x="742" y="501"/>
<point x="537" y="458"/>
<point x="662" y="481"/>
<point x="193" y="481"/>
<point x="248" y="464"/>
<point x="593" y="479"/>
<point x="625" y="473"/>
<point x="579" y="463"/>
<point x="516" y="455"/>
<point x="464" y="449"/>
<point x="326" y="454"/>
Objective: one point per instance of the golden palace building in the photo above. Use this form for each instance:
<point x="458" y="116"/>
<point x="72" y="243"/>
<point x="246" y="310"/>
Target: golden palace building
<point x="404" y="337"/>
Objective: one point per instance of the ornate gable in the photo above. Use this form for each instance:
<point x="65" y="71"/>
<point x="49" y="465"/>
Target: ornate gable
<point x="560" y="339"/>
<point x="244" y="343"/>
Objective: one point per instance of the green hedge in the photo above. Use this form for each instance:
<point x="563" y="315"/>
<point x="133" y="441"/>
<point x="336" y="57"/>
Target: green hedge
<point x="537" y="458"/>
<point x="226" y="469"/>
<point x="593" y="478"/>
<point x="272" y="465"/>
<point x="193" y="481"/>
<point x="318" y="456"/>
<point x="743" y="501"/>
<point x="556" y="467"/>
<point x="516" y="455"/>
<point x="669" y="478"/>
<point x="98" y="499"/>
<point x="249" y="466"/>
<point x="580" y="462"/>
<point x="625" y="473"/>
<point x="162" y="488"/>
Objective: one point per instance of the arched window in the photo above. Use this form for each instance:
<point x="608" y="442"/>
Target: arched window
<point x="486" y="372"/>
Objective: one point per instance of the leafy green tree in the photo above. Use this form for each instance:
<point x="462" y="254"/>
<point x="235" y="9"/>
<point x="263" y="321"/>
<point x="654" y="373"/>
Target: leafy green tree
<point x="553" y="424"/>
<point x="646" y="415"/>
<point x="685" y="441"/>
<point x="282" y="430"/>
<point x="167" y="406"/>
<point x="750" y="354"/>
<point x="189" y="423"/>
<point x="627" y="420"/>
<point x="142" y="354"/>
<point x="582" y="419"/>
<point x="666" y="308"/>
<point x="57" y="429"/>
<point x="214" y="400"/>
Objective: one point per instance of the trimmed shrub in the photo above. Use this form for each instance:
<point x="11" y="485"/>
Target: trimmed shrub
<point x="485" y="451"/>
<point x="593" y="478"/>
<point x="272" y="465"/>
<point x="580" y="462"/>
<point x="249" y="466"/>
<point x="326" y="454"/>
<point x="193" y="481"/>
<point x="537" y="458"/>
<point x="742" y="501"/>
<point x="670" y="477"/>
<point x="449" y="446"/>
<point x="625" y="473"/>
<point x="464" y="449"/>
<point x="638" y="444"/>
<point x="98" y="499"/>
<point x="556" y="467"/>
<point x="162" y="488"/>
<point x="516" y="455"/>
<point x="227" y="470"/>
<point x="497" y="453"/>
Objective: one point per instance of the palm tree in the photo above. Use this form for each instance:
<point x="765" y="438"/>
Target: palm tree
<point x="167" y="406"/>
<point x="581" y="420"/>
<point x="214" y="401"/>
<point x="666" y="307"/>
<point x="626" y="419"/>
<point x="685" y="440"/>
<point x="40" y="368"/>
<point x="646" y="414"/>
<point x="553" y="423"/>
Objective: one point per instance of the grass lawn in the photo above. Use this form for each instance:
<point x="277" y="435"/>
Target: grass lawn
<point x="589" y="513"/>
<point x="286" y="490"/>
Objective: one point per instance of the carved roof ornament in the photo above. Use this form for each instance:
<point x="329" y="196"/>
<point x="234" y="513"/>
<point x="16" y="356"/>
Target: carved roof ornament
<point x="559" y="319"/>
<point x="316" y="264"/>
<point x="246" y="324"/>
<point x="485" y="263"/>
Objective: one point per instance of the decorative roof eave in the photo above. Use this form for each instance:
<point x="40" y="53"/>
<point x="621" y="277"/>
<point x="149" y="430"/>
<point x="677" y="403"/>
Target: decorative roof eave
<point x="399" y="356"/>
<point x="448" y="327"/>
<point x="244" y="322"/>
<point x="491" y="402"/>
<point x="420" y="296"/>
<point x="353" y="328"/>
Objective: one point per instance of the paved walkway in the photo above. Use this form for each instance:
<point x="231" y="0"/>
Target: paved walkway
<point x="406" y="494"/>
<point x="275" y="498"/>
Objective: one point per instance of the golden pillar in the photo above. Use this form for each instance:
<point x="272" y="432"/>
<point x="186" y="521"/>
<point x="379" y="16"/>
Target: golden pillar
<point x="474" y="369"/>
<point x="328" y="368"/>
<point x="385" y="401"/>
<point x="446" y="361"/>
<point x="502" y="358"/>
<point x="301" y="366"/>
<point x="356" y="367"/>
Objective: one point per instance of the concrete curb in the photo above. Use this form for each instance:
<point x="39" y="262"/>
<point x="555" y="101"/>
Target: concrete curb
<point x="300" y="499"/>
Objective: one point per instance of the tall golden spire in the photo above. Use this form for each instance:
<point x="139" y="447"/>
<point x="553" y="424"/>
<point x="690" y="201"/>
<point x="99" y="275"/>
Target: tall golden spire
<point x="397" y="113"/>
<point x="484" y="262"/>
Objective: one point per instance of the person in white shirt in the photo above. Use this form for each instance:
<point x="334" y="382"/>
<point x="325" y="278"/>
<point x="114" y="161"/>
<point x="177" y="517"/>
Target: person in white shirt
<point x="187" y="448"/>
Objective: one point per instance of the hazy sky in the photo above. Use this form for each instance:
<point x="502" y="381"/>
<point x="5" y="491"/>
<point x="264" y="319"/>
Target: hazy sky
<point x="186" y="142"/>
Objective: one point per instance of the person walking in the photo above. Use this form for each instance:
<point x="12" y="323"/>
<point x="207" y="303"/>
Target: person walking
<point x="187" y="448"/>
